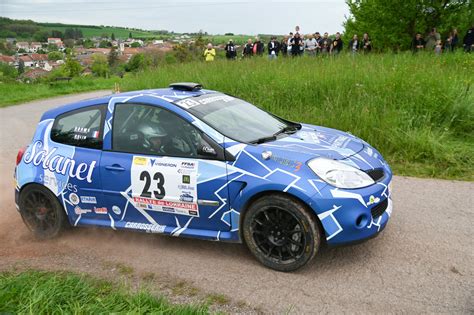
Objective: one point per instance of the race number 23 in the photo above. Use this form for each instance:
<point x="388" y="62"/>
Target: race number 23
<point x="158" y="181"/>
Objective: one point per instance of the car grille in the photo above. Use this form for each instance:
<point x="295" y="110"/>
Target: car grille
<point x="378" y="209"/>
<point x="376" y="174"/>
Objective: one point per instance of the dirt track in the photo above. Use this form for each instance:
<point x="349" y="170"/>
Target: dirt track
<point x="422" y="262"/>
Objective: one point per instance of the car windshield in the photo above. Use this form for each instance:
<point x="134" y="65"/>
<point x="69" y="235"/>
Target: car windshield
<point x="235" y="118"/>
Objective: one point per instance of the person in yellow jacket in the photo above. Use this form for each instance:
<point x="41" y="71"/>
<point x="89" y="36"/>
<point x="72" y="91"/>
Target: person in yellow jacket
<point x="209" y="53"/>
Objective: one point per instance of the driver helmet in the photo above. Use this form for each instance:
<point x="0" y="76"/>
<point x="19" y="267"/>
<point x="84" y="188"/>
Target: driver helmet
<point x="153" y="135"/>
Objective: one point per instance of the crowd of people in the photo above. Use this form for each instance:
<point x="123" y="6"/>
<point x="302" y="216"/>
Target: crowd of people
<point x="296" y="44"/>
<point x="434" y="42"/>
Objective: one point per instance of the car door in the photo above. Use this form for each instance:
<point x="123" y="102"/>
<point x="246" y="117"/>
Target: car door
<point x="153" y="173"/>
<point x="75" y="151"/>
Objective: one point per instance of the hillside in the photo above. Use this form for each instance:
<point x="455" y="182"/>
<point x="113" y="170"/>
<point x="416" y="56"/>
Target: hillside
<point x="30" y="30"/>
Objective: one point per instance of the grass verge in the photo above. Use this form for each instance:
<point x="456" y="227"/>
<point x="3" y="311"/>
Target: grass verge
<point x="35" y="292"/>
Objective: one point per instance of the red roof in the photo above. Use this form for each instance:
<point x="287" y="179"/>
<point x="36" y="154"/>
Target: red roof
<point x="35" y="73"/>
<point x="7" y="59"/>
<point x="26" y="58"/>
<point x="39" y="57"/>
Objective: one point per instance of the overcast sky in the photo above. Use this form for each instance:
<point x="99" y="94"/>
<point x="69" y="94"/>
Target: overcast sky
<point x="215" y="17"/>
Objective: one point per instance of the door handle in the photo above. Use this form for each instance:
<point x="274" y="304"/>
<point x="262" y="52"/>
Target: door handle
<point x="115" y="168"/>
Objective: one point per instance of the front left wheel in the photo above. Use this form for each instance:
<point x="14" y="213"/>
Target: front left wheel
<point x="41" y="211"/>
<point x="281" y="232"/>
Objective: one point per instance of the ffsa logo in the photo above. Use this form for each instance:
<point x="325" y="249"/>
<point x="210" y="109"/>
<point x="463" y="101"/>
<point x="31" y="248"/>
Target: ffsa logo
<point x="190" y="165"/>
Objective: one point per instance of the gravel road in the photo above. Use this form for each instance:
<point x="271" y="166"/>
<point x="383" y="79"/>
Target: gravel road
<point x="422" y="262"/>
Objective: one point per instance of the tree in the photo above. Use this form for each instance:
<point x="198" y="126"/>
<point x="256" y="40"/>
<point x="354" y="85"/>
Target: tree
<point x="135" y="45"/>
<point x="392" y="24"/>
<point x="112" y="37"/>
<point x="21" y="67"/>
<point x="137" y="62"/>
<point x="113" y="57"/>
<point x="55" y="55"/>
<point x="100" y="66"/>
<point x="130" y="35"/>
<point x="69" y="43"/>
<point x="7" y="71"/>
<point x="72" y="67"/>
<point x="40" y="36"/>
<point x="57" y="34"/>
<point x="105" y="44"/>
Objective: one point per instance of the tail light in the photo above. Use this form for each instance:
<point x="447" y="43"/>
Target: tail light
<point x="19" y="156"/>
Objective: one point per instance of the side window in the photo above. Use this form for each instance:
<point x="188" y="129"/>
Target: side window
<point x="81" y="128"/>
<point x="146" y="129"/>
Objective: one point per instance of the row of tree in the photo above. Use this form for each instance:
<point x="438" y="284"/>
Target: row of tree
<point x="393" y="24"/>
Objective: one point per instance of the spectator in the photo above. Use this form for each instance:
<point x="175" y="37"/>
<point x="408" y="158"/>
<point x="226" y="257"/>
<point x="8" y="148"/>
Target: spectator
<point x="248" y="48"/>
<point x="455" y="39"/>
<point x="258" y="47"/>
<point x="310" y="46"/>
<point x="209" y="53"/>
<point x="366" y="44"/>
<point x="273" y="48"/>
<point x="301" y="52"/>
<point x="418" y="43"/>
<point x="230" y="51"/>
<point x="337" y="45"/>
<point x="296" y="43"/>
<point x="448" y="42"/>
<point x="284" y="46"/>
<point x="354" y="44"/>
<point x="468" y="40"/>
<point x="433" y="38"/>
<point x="438" y="49"/>
<point x="326" y="44"/>
<point x="289" y="43"/>
<point x="319" y="41"/>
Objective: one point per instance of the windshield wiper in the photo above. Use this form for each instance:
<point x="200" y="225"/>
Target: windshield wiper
<point x="264" y="139"/>
<point x="288" y="129"/>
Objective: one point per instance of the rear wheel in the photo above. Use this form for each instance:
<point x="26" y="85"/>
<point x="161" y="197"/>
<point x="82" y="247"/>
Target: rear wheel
<point x="41" y="211"/>
<point x="281" y="233"/>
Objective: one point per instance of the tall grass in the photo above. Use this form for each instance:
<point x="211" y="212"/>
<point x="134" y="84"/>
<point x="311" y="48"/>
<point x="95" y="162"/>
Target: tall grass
<point x="418" y="110"/>
<point x="36" y="292"/>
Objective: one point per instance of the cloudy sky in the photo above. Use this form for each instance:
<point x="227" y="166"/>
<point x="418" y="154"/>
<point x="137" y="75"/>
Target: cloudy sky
<point x="216" y="17"/>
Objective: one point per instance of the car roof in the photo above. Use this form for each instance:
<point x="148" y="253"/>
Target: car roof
<point x="166" y="94"/>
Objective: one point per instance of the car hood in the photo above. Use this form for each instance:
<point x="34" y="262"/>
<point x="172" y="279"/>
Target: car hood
<point x="318" y="141"/>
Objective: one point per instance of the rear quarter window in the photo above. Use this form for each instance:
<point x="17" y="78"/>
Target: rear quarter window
<point x="81" y="128"/>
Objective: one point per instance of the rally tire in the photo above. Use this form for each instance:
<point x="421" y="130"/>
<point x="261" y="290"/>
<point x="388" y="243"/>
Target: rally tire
<point x="281" y="232"/>
<point x="41" y="212"/>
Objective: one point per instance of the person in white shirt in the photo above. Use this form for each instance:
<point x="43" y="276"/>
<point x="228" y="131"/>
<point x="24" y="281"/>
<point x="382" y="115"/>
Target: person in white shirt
<point x="310" y="45"/>
<point x="289" y="44"/>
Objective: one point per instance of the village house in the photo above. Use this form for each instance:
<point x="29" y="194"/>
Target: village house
<point x="35" y="47"/>
<point x="55" y="41"/>
<point x="8" y="60"/>
<point x="27" y="61"/>
<point x="23" y="45"/>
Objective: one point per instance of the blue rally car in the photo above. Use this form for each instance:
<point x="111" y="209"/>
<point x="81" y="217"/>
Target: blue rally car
<point x="185" y="161"/>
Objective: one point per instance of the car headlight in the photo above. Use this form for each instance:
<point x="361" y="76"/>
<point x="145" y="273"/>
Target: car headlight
<point x="339" y="174"/>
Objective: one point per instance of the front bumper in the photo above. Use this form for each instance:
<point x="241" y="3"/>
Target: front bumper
<point x="353" y="215"/>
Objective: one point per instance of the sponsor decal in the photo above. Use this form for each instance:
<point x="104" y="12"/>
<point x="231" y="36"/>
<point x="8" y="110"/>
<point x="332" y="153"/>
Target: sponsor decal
<point x="101" y="210"/>
<point x="74" y="199"/>
<point x="58" y="163"/>
<point x="189" y="103"/>
<point x="95" y="134"/>
<point x="186" y="179"/>
<point x="186" y="198"/>
<point x="116" y="210"/>
<point x="266" y="155"/>
<point x="373" y="200"/>
<point x="186" y="187"/>
<point x="88" y="199"/>
<point x="180" y="207"/>
<point x="51" y="180"/>
<point x="148" y="227"/>
<point x="189" y="165"/>
<point x="296" y="165"/>
<point x="138" y="160"/>
<point x="78" y="210"/>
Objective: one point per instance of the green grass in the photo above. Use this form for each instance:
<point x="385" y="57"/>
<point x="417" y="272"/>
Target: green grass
<point x="119" y="32"/>
<point x="34" y="292"/>
<point x="417" y="110"/>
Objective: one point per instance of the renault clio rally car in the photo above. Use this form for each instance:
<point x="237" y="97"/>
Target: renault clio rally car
<point x="185" y="161"/>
